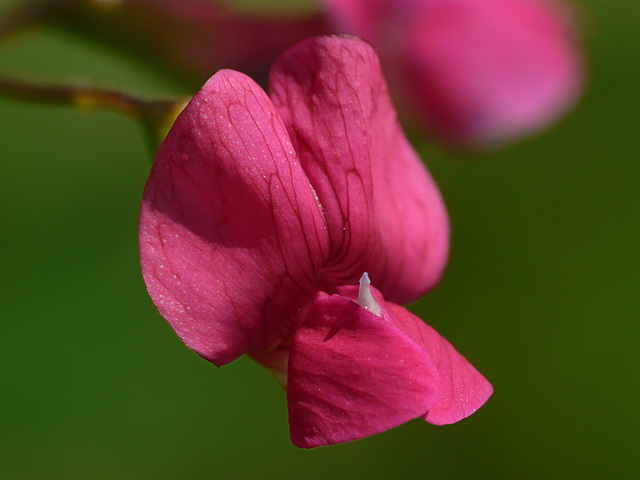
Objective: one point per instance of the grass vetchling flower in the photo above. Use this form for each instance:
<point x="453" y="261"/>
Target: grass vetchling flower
<point x="262" y="214"/>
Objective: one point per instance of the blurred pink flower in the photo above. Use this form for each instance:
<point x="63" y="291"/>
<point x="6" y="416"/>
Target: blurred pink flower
<point x="474" y="72"/>
<point x="203" y="36"/>
<point x="261" y="214"/>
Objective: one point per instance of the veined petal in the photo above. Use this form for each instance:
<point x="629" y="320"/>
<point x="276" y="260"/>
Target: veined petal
<point x="383" y="211"/>
<point x="353" y="374"/>
<point x="230" y="229"/>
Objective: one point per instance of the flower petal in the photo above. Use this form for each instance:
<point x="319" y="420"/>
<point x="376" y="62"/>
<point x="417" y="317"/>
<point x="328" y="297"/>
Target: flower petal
<point x="230" y="230"/>
<point x="383" y="211"/>
<point x="353" y="374"/>
<point x="473" y="72"/>
<point x="463" y="390"/>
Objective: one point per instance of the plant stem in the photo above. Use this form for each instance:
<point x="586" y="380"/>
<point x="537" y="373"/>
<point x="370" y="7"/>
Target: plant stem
<point x="80" y="94"/>
<point x="156" y="115"/>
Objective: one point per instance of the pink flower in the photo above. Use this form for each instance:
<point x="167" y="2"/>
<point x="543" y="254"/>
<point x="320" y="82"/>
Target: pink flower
<point x="203" y="36"/>
<point x="474" y="72"/>
<point x="261" y="214"/>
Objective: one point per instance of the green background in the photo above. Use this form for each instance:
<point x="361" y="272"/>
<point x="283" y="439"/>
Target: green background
<point x="541" y="294"/>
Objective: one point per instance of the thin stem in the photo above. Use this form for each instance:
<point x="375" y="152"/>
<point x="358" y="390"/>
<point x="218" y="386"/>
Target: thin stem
<point x="156" y="115"/>
<point x="81" y="94"/>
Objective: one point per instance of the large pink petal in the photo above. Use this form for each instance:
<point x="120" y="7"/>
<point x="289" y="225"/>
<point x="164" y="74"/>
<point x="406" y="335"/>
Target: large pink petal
<point x="230" y="230"/>
<point x="353" y="374"/>
<point x="383" y="211"/>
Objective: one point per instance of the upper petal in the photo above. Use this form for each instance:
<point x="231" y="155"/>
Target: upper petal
<point x="230" y="230"/>
<point x="383" y="211"/>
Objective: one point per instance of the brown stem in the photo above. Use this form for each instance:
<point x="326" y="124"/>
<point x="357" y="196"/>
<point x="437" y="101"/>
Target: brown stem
<point x="79" y="94"/>
<point x="156" y="115"/>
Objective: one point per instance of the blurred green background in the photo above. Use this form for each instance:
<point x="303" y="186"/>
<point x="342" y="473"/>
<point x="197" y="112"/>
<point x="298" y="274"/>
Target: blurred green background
<point x="541" y="294"/>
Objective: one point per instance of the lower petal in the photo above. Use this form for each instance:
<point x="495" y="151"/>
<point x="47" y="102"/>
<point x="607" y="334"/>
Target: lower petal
<point x="353" y="374"/>
<point x="463" y="390"/>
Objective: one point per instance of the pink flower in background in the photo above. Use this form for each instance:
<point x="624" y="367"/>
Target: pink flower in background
<point x="261" y="215"/>
<point x="473" y="72"/>
<point x="202" y="36"/>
